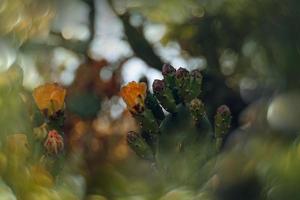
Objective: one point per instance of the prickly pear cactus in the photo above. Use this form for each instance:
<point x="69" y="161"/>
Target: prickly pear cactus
<point x="181" y="143"/>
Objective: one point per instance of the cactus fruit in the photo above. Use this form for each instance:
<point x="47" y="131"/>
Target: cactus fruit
<point x="182" y="143"/>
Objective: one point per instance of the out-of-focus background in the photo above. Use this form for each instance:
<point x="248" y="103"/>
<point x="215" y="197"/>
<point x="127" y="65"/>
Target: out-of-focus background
<point x="248" y="51"/>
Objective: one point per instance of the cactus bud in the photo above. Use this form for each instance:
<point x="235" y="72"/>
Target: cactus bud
<point x="181" y="73"/>
<point x="182" y="82"/>
<point x="54" y="143"/>
<point x="164" y="95"/>
<point x="168" y="69"/>
<point x="222" y="124"/>
<point x="158" y="86"/>
<point x="139" y="145"/>
<point x="196" y="73"/>
<point x="197" y="109"/>
<point x="195" y="84"/>
<point x="222" y="121"/>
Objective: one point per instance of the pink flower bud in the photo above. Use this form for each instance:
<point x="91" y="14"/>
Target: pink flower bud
<point x="54" y="142"/>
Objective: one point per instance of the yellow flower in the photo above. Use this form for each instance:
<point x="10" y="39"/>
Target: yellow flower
<point x="49" y="98"/>
<point x="134" y="95"/>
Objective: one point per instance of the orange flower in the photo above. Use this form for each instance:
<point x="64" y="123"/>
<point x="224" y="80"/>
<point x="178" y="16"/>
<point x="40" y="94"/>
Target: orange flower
<point x="49" y="97"/>
<point x="134" y="95"/>
<point x="54" y="142"/>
